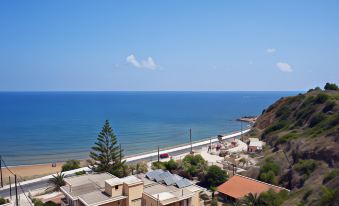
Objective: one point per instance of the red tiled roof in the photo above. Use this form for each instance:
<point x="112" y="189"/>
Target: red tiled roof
<point x="239" y="186"/>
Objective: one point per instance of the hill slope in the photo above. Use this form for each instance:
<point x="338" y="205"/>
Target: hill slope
<point x="303" y="137"/>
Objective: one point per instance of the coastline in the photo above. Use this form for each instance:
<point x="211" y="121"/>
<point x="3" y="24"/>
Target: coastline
<point x="29" y="172"/>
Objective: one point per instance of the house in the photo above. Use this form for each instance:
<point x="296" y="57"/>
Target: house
<point x="255" y="145"/>
<point x="239" y="186"/>
<point x="163" y="188"/>
<point x="102" y="189"/>
<point x="156" y="188"/>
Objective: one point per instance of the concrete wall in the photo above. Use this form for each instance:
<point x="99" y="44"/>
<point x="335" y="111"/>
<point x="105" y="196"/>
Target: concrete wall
<point x="134" y="193"/>
<point x="112" y="191"/>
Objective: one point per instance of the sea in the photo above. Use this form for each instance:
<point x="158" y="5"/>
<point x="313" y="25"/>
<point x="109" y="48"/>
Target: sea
<point x="45" y="127"/>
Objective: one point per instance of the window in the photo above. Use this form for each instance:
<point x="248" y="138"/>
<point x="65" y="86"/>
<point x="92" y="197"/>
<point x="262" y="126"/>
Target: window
<point x="116" y="187"/>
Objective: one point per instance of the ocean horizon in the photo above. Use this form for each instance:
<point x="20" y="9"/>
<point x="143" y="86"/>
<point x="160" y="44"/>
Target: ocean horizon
<point x="44" y="127"/>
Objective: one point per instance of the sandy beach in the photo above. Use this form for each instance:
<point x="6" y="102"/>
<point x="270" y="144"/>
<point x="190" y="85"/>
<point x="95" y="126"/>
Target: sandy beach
<point x="27" y="172"/>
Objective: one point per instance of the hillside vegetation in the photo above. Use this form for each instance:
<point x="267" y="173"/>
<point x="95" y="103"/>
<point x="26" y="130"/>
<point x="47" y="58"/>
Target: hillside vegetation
<point x="302" y="133"/>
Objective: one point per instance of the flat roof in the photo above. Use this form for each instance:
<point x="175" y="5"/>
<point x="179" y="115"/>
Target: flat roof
<point x="97" y="197"/>
<point x="256" y="144"/>
<point x="96" y="178"/>
<point x="167" y="193"/>
<point x="131" y="180"/>
<point x="239" y="186"/>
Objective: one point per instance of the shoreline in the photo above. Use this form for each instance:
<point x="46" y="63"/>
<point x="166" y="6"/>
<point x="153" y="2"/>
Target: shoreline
<point x="43" y="171"/>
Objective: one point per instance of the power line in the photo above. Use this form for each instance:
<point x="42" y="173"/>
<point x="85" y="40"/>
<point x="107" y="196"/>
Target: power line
<point x="15" y="182"/>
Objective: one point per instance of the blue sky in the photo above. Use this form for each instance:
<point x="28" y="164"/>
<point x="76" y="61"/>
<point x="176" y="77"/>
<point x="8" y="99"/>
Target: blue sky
<point x="168" y="45"/>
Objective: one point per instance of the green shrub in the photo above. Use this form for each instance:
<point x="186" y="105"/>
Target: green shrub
<point x="283" y="112"/>
<point x="70" y="165"/>
<point x="275" y="127"/>
<point x="317" y="119"/>
<point x="158" y="165"/>
<point x="50" y="203"/>
<point x="329" y="106"/>
<point x="269" y="171"/>
<point x="334" y="121"/>
<point x="328" y="195"/>
<point x="37" y="202"/>
<point x="286" y="138"/>
<point x="273" y="198"/>
<point x="321" y="98"/>
<point x="3" y="201"/>
<point x="215" y="176"/>
<point x="80" y="173"/>
<point x="305" y="166"/>
<point x="328" y="177"/>
<point x="171" y="165"/>
<point x="194" y="165"/>
<point x="331" y="86"/>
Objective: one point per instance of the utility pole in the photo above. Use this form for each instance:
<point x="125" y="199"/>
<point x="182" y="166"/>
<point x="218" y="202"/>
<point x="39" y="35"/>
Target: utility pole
<point x="2" y="183"/>
<point x="16" y="192"/>
<point x="158" y="154"/>
<point x="191" y="139"/>
<point x="10" y="187"/>
<point x="241" y="130"/>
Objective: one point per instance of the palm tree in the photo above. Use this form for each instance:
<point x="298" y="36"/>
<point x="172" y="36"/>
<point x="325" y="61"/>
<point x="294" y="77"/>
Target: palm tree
<point x="56" y="181"/>
<point x="252" y="200"/>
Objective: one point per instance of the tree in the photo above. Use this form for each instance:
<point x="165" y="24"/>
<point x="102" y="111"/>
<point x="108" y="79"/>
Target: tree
<point x="252" y="200"/>
<point x="56" y="182"/>
<point x="106" y="153"/>
<point x="70" y="165"/>
<point x="215" y="176"/>
<point x="194" y="165"/>
<point x="171" y="165"/>
<point x="331" y="86"/>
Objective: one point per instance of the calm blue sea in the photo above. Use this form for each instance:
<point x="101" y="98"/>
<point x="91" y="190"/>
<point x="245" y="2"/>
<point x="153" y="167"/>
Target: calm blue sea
<point x="42" y="127"/>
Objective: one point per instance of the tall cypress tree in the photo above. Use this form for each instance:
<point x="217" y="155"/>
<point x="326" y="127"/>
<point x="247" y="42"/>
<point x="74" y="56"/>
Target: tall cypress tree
<point x="106" y="152"/>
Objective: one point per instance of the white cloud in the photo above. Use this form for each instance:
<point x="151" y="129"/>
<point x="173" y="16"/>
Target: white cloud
<point x="284" y="67"/>
<point x="149" y="63"/>
<point x="271" y="50"/>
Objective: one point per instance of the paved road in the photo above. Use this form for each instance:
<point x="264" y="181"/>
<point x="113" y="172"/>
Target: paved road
<point x="26" y="188"/>
<point x="43" y="183"/>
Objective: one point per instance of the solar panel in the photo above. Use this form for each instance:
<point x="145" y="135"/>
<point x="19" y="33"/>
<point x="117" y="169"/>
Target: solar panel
<point x="183" y="183"/>
<point x="154" y="174"/>
<point x="171" y="180"/>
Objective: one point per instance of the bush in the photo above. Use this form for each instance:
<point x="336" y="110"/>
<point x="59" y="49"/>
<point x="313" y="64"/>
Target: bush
<point x="331" y="86"/>
<point x="328" y="195"/>
<point x="275" y="127"/>
<point x="215" y="176"/>
<point x="80" y="173"/>
<point x="171" y="165"/>
<point x="194" y="165"/>
<point x="3" y="201"/>
<point x="214" y="202"/>
<point x="305" y="166"/>
<point x="286" y="138"/>
<point x="321" y="98"/>
<point x="269" y="171"/>
<point x="158" y="165"/>
<point x="272" y="198"/>
<point x="283" y="112"/>
<point x="317" y="119"/>
<point x="330" y="176"/>
<point x="70" y="165"/>
<point x="37" y="202"/>
<point x="329" y="106"/>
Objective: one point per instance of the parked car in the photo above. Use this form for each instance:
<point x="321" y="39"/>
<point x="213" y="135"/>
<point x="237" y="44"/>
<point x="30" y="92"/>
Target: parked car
<point x="163" y="156"/>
